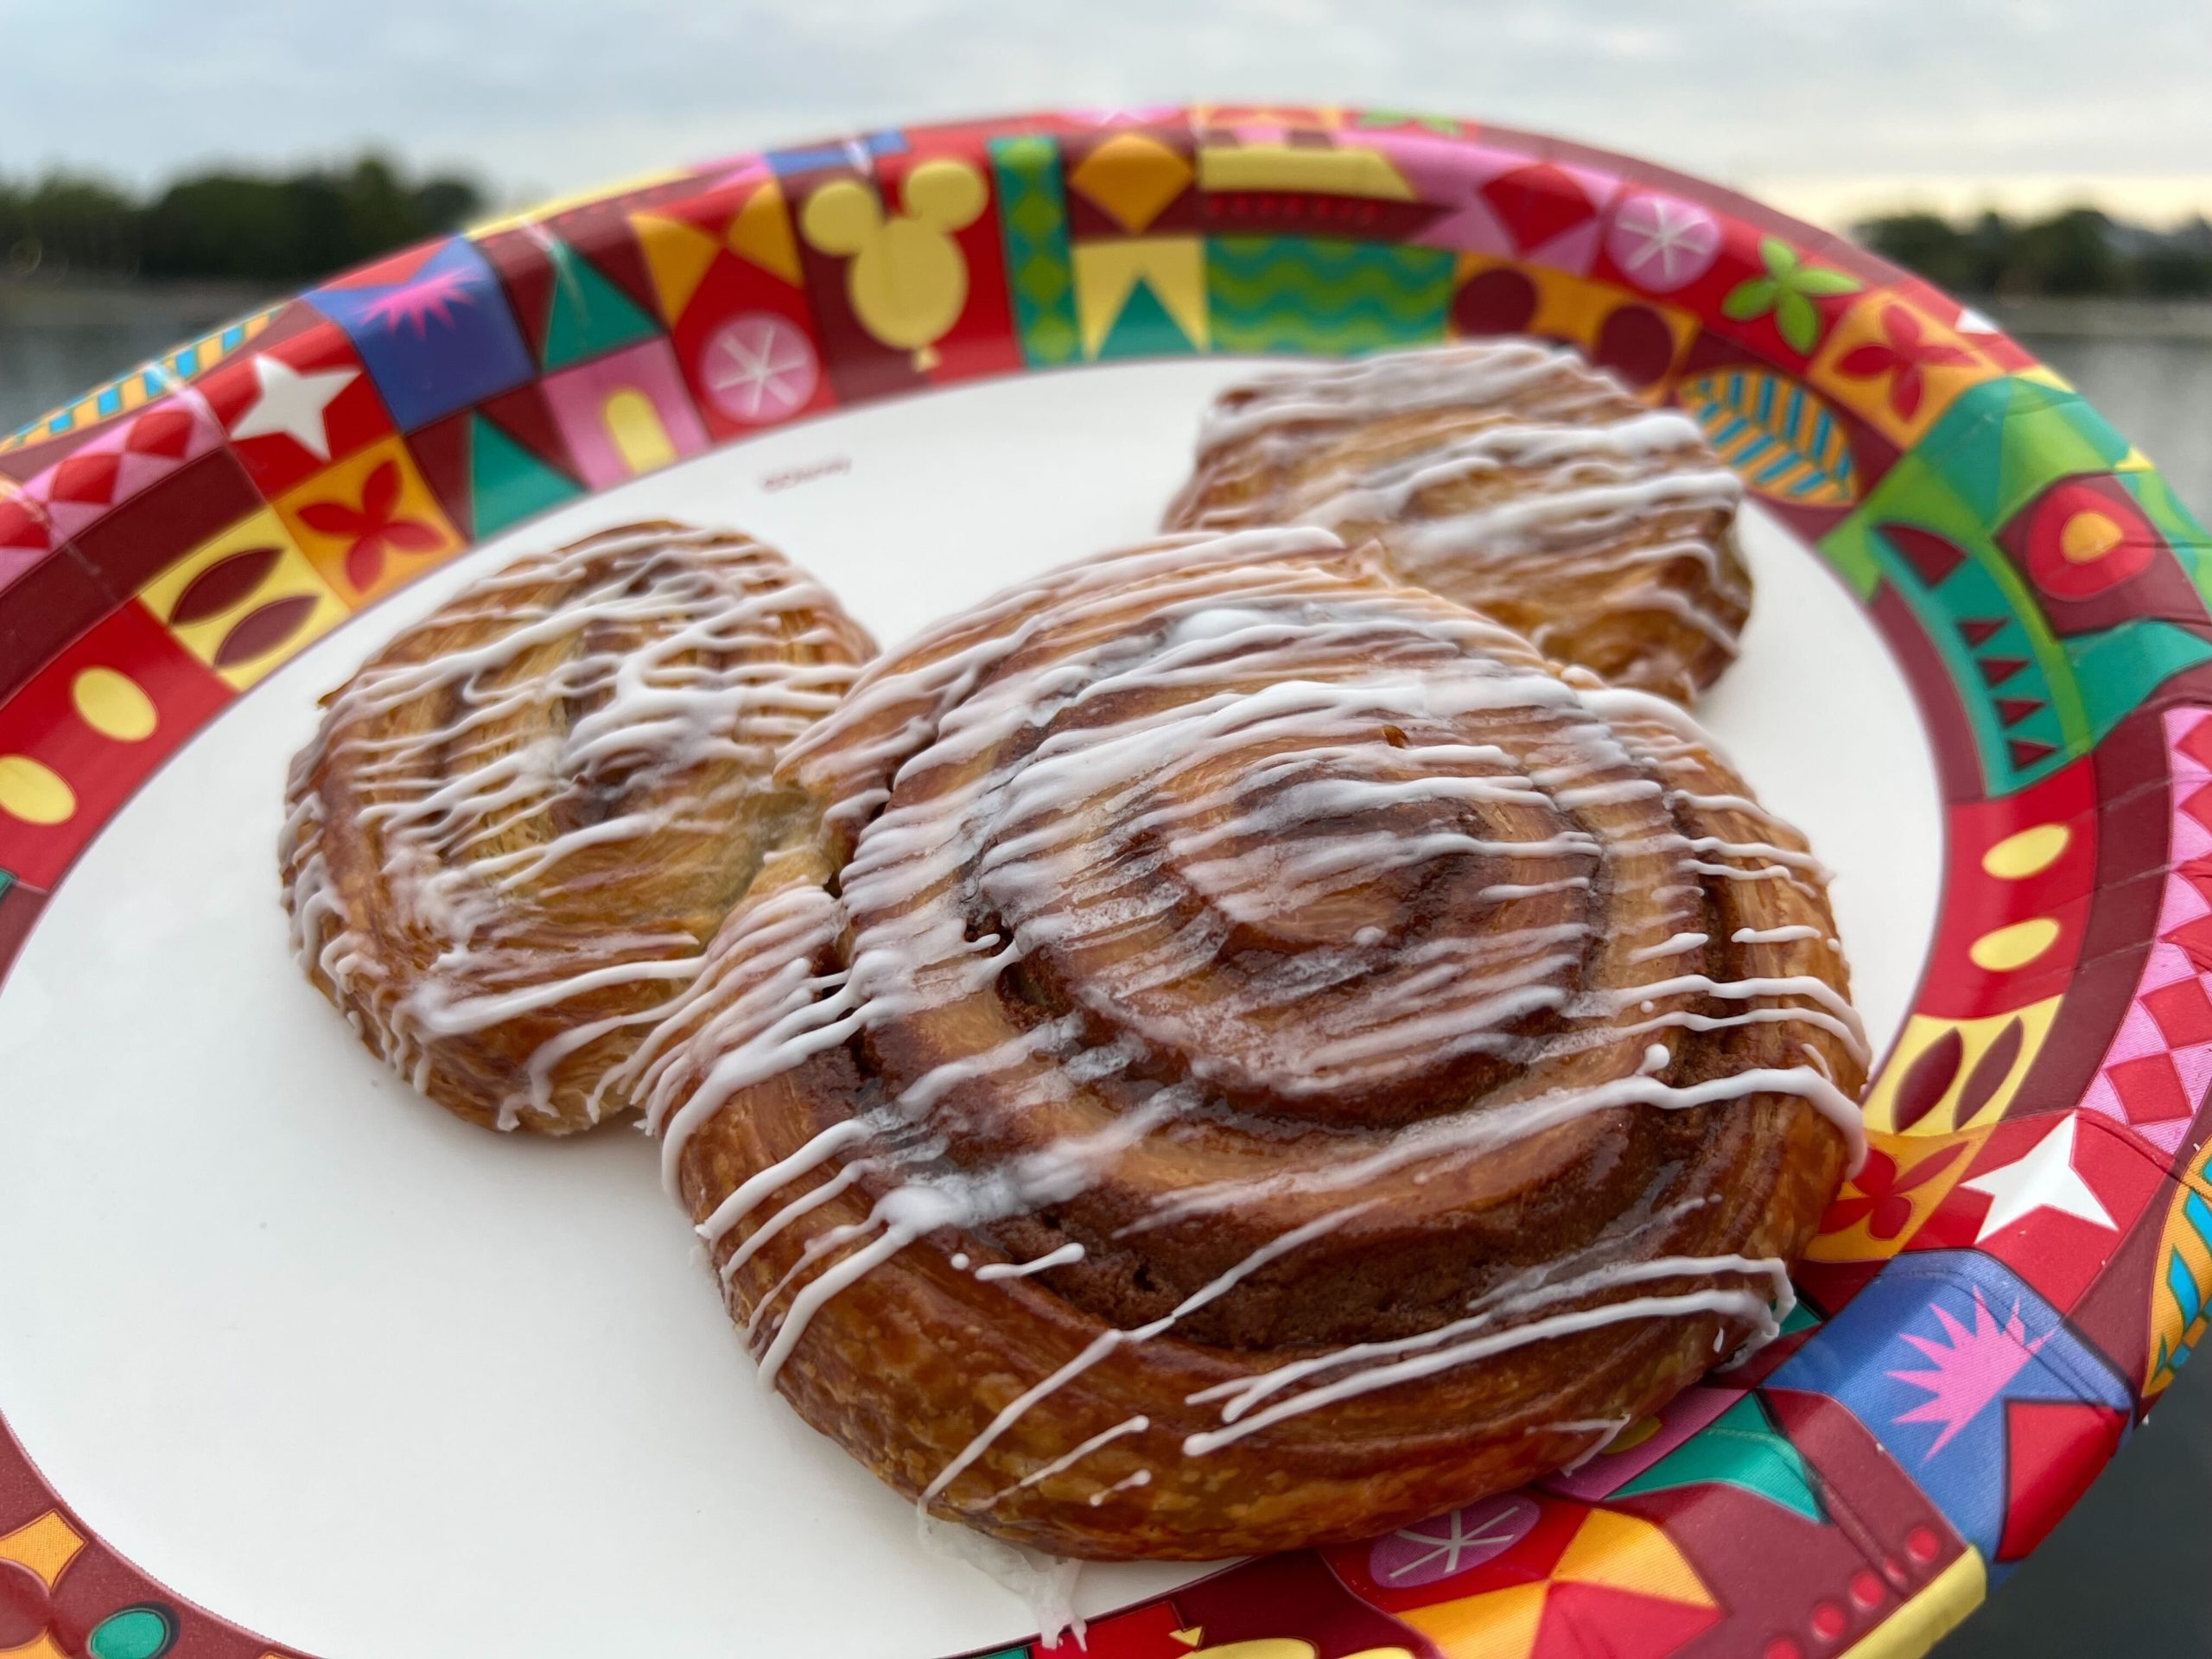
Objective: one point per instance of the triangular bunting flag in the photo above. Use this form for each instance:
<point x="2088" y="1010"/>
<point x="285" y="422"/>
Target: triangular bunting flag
<point x="507" y="483"/>
<point x="761" y="232"/>
<point x="1739" y="1448"/>
<point x="590" y="316"/>
<point x="678" y="256"/>
<point x="1144" y="328"/>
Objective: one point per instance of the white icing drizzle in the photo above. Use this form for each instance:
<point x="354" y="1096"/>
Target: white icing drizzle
<point x="1140" y="1477"/>
<point x="686" y="651"/>
<point x="1388" y="382"/>
<point x="1278" y="754"/>
<point x="1067" y="1253"/>
<point x="1607" y="1430"/>
<point x="1045" y="1584"/>
<point x="1136" y="1424"/>
<point x="1774" y="935"/>
<point x="1477" y="458"/>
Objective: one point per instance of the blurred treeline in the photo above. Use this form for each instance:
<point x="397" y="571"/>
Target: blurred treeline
<point x="255" y="227"/>
<point x="2078" y="251"/>
<point x="290" y="228"/>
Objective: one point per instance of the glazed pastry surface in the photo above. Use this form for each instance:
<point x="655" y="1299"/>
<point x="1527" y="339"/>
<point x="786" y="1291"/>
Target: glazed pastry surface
<point x="1239" y="1051"/>
<point x="1509" y="476"/>
<point x="519" y="825"/>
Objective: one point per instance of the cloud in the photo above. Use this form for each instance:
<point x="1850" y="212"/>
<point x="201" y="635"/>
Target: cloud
<point x="544" y="95"/>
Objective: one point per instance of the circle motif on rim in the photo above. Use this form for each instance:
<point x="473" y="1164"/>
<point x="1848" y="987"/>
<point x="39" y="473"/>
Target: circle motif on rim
<point x="1663" y="243"/>
<point x="1451" y="1544"/>
<point x="758" y="368"/>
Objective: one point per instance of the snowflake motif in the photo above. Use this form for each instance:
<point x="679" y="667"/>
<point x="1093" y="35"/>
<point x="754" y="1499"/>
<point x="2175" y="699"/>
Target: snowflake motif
<point x="758" y="368"/>
<point x="1452" y="1543"/>
<point x="418" y="302"/>
<point x="1663" y="243"/>
<point x="1969" y="1371"/>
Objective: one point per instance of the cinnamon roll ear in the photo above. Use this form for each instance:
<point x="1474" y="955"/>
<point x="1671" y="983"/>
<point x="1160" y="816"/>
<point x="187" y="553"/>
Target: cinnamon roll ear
<point x="1255" y="1058"/>
<point x="518" y="826"/>
<point x="1509" y="476"/>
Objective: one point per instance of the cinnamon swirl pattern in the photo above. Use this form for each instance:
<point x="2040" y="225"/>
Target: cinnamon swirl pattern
<point x="1509" y="476"/>
<point x="520" y="824"/>
<point x="1254" y="1056"/>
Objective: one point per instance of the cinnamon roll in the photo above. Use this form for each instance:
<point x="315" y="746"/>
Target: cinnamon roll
<point x="1252" y="1056"/>
<point x="520" y="824"/>
<point x="1509" y="476"/>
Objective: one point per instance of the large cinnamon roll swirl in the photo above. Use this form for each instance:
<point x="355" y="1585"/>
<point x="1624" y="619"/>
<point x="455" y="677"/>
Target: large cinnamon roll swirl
<point x="518" y="826"/>
<point x="1510" y="476"/>
<point x="1255" y="1057"/>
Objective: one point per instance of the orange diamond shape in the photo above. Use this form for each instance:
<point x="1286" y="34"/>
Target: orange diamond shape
<point x="1133" y="178"/>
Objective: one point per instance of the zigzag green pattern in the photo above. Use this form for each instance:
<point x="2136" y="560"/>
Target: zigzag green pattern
<point x="1308" y="293"/>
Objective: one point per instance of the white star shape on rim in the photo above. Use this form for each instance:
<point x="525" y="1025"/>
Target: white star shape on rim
<point x="2044" y="1179"/>
<point x="292" y="403"/>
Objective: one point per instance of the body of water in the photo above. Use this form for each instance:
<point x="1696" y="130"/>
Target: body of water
<point x="2126" y="1571"/>
<point x="58" y="343"/>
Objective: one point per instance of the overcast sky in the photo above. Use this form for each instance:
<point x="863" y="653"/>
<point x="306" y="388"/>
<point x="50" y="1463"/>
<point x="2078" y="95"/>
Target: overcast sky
<point x="1828" y="106"/>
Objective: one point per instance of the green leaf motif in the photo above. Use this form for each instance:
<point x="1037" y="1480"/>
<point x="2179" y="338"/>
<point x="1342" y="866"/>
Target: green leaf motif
<point x="1818" y="279"/>
<point x="1787" y="289"/>
<point x="1797" y="320"/>
<point x="1752" y="297"/>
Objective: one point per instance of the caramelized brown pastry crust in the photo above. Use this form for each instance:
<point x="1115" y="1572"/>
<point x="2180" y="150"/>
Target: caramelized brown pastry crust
<point x="1509" y="476"/>
<point x="522" y="821"/>
<point x="1255" y="1057"/>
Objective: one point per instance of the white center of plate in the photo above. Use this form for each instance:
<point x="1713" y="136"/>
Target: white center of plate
<point x="373" y="1382"/>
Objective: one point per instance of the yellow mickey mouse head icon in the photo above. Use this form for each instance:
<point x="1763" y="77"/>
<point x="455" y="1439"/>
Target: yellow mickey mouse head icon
<point x="907" y="279"/>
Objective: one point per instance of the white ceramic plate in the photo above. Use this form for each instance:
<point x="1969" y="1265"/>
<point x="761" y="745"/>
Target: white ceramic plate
<point x="377" y="1383"/>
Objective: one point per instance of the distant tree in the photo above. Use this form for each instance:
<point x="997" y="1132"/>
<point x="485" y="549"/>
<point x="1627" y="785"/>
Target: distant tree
<point x="2174" y="273"/>
<point x="448" y="202"/>
<point x="1926" y="243"/>
<point x="2081" y="250"/>
<point x="222" y="225"/>
<point x="247" y="226"/>
<point x="1989" y="250"/>
<point x="300" y="227"/>
<point x="65" y="224"/>
<point x="2070" y="253"/>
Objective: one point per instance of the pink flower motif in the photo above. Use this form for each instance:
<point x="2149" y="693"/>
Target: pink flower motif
<point x="1451" y="1544"/>
<point x="1663" y="242"/>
